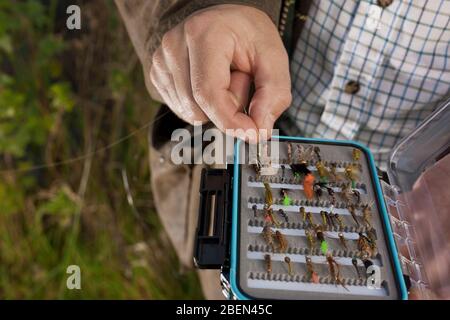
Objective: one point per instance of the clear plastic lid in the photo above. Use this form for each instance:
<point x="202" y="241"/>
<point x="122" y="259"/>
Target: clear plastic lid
<point x="418" y="199"/>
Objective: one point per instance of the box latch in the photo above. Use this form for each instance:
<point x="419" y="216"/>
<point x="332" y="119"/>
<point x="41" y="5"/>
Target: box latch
<point x="212" y="234"/>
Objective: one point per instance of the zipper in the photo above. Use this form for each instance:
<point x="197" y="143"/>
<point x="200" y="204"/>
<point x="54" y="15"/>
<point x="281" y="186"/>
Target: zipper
<point x="286" y="6"/>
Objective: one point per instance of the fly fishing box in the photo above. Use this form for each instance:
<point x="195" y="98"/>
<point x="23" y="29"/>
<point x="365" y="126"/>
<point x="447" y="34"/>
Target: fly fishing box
<point x="318" y="221"/>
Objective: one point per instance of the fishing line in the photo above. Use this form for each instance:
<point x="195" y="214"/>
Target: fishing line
<point x="87" y="155"/>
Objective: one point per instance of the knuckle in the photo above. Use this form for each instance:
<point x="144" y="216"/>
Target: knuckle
<point x="158" y="78"/>
<point x="153" y="77"/>
<point x="192" y="113"/>
<point x="188" y="103"/>
<point x="201" y="94"/>
<point x="195" y="25"/>
<point x="167" y="42"/>
<point x="157" y="60"/>
<point x="201" y="86"/>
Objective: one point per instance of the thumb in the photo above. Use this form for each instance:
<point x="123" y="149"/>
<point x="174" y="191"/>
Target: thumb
<point x="272" y="86"/>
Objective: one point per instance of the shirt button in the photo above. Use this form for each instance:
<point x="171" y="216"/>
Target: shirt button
<point x="384" y="3"/>
<point x="351" y="87"/>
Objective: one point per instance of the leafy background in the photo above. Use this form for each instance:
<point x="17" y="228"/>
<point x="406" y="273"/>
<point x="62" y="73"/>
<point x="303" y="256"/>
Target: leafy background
<point x="66" y="100"/>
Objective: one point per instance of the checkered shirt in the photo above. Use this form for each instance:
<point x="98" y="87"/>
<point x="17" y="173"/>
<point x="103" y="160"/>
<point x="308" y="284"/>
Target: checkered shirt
<point x="399" y="57"/>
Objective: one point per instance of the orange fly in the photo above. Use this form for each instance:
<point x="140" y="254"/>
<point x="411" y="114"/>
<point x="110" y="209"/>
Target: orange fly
<point x="308" y="186"/>
<point x="312" y="274"/>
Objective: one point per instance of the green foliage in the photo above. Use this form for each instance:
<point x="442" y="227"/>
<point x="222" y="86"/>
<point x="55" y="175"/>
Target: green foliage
<point x="11" y="201"/>
<point x="30" y="84"/>
<point x="60" y="204"/>
<point x="61" y="97"/>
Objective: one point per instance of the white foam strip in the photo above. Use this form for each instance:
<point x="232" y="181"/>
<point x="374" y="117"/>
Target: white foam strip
<point x="300" y="258"/>
<point x="301" y="233"/>
<point x="319" y="287"/>
<point x="292" y="186"/>
<point x="310" y="168"/>
<point x="296" y="209"/>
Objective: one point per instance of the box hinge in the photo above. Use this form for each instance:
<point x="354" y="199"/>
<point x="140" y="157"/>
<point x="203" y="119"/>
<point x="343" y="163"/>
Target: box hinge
<point x="404" y="236"/>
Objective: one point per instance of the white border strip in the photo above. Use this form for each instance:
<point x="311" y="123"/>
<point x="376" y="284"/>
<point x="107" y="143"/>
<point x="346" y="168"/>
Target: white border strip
<point x="310" y="168"/>
<point x="301" y="232"/>
<point x="291" y="186"/>
<point x="313" y="287"/>
<point x="301" y="258"/>
<point x="295" y="208"/>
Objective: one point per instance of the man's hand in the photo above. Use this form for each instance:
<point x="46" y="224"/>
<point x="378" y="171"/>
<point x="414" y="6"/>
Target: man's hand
<point x="205" y="65"/>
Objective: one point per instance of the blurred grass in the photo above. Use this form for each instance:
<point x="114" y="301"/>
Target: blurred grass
<point x="64" y="94"/>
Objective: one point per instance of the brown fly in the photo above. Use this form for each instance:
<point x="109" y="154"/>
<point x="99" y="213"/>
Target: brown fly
<point x="268" y="263"/>
<point x="372" y="235"/>
<point x="303" y="213"/>
<point x="339" y="220"/>
<point x="332" y="196"/>
<point x="289" y="152"/>
<point x="310" y="238"/>
<point x="269" y="197"/>
<point x="305" y="154"/>
<point x="323" y="214"/>
<point x="283" y="214"/>
<point x="317" y="190"/>
<point x="342" y="240"/>
<point x="317" y="153"/>
<point x="288" y="261"/>
<point x="269" y="217"/>
<point x="268" y="236"/>
<point x="367" y="215"/>
<point x="282" y="243"/>
<point x="364" y="246"/>
<point x="335" y="271"/>
<point x="357" y="196"/>
<point x="322" y="171"/>
<point x="319" y="233"/>
<point x="346" y="192"/>
<point x="355" y="264"/>
<point x="330" y="218"/>
<point x="321" y="237"/>
<point x="257" y="168"/>
<point x="333" y="172"/>
<point x="352" y="210"/>
<point x="309" y="218"/>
